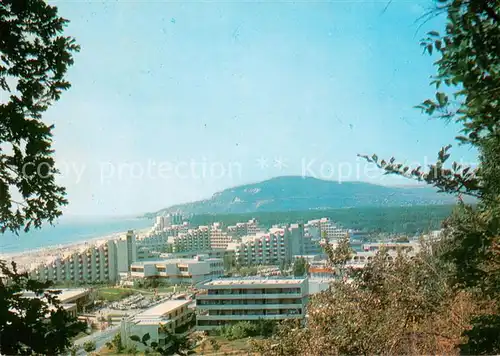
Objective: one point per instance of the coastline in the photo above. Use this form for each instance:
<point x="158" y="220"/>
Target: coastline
<point x="27" y="259"/>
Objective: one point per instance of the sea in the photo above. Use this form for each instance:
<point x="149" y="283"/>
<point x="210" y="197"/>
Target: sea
<point x="69" y="230"/>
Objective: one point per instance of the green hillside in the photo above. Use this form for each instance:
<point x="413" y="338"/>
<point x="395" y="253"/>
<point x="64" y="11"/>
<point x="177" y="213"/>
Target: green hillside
<point x="408" y="220"/>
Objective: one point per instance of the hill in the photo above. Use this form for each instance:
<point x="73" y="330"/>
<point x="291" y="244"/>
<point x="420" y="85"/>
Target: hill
<point x="295" y="193"/>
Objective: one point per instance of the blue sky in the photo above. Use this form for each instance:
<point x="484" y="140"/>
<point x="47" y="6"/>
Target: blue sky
<point x="247" y="90"/>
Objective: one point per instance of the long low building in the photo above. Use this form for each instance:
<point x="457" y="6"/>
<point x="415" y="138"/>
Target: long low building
<point x="156" y="321"/>
<point x="72" y="300"/>
<point x="228" y="301"/>
<point x="179" y="271"/>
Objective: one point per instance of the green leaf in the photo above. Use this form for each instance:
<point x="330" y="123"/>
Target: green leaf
<point x="135" y="338"/>
<point x="441" y="98"/>
<point x="438" y="45"/>
<point x="145" y="338"/>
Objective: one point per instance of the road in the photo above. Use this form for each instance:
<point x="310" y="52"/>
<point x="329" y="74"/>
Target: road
<point x="100" y="338"/>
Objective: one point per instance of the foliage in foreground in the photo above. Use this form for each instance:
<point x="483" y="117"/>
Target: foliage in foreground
<point x="36" y="325"/>
<point x="89" y="346"/>
<point x="34" y="60"/>
<point x="406" y="305"/>
<point x="246" y="329"/>
<point x="174" y="344"/>
<point x="300" y="267"/>
<point x="116" y="344"/>
<point x="468" y="92"/>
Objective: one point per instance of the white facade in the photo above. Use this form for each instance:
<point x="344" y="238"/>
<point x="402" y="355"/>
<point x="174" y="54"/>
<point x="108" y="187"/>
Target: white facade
<point x="326" y="229"/>
<point x="126" y="252"/>
<point x="166" y="221"/>
<point x="91" y="264"/>
<point x="161" y="240"/>
<point x="194" y="240"/>
<point x="179" y="271"/>
<point x="251" y="227"/>
<point x="230" y="301"/>
<point x="218" y="237"/>
<point x="168" y="316"/>
<point x="263" y="248"/>
<point x="102" y="262"/>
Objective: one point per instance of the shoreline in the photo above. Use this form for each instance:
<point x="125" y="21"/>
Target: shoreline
<point x="27" y="259"/>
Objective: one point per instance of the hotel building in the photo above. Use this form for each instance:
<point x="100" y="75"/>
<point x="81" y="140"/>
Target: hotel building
<point x="325" y="228"/>
<point x="229" y="301"/>
<point x="194" y="240"/>
<point x="166" y="221"/>
<point x="166" y="316"/>
<point x="251" y="227"/>
<point x="72" y="300"/>
<point x="218" y="237"/>
<point x="179" y="271"/>
<point x="102" y="262"/>
<point x="263" y="248"/>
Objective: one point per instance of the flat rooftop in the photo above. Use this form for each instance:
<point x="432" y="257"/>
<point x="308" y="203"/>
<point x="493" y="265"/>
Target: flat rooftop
<point x="163" y="308"/>
<point x="66" y="294"/>
<point x="173" y="261"/>
<point x="232" y="282"/>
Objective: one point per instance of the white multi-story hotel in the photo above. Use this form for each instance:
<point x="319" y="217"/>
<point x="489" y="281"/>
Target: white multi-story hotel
<point x="218" y="237"/>
<point x="91" y="264"/>
<point x="251" y="227"/>
<point x="159" y="241"/>
<point x="322" y="269"/>
<point x="179" y="271"/>
<point x="229" y="301"/>
<point x="178" y="238"/>
<point x="156" y="321"/>
<point x="194" y="240"/>
<point x="166" y="221"/>
<point x="326" y="228"/>
<point x="221" y="253"/>
<point x="263" y="248"/>
<point x="278" y="245"/>
<point x="153" y="241"/>
<point x="98" y="263"/>
<point x="177" y="229"/>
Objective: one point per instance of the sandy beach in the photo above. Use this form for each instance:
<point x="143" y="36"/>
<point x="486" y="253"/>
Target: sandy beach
<point x="27" y="260"/>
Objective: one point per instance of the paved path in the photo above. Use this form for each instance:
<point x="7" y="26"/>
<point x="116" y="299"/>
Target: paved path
<point x="100" y="338"/>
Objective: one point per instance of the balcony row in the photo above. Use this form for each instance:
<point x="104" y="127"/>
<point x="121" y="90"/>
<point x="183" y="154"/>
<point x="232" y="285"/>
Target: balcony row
<point x="247" y="296"/>
<point x="240" y="306"/>
<point x="201" y="318"/>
